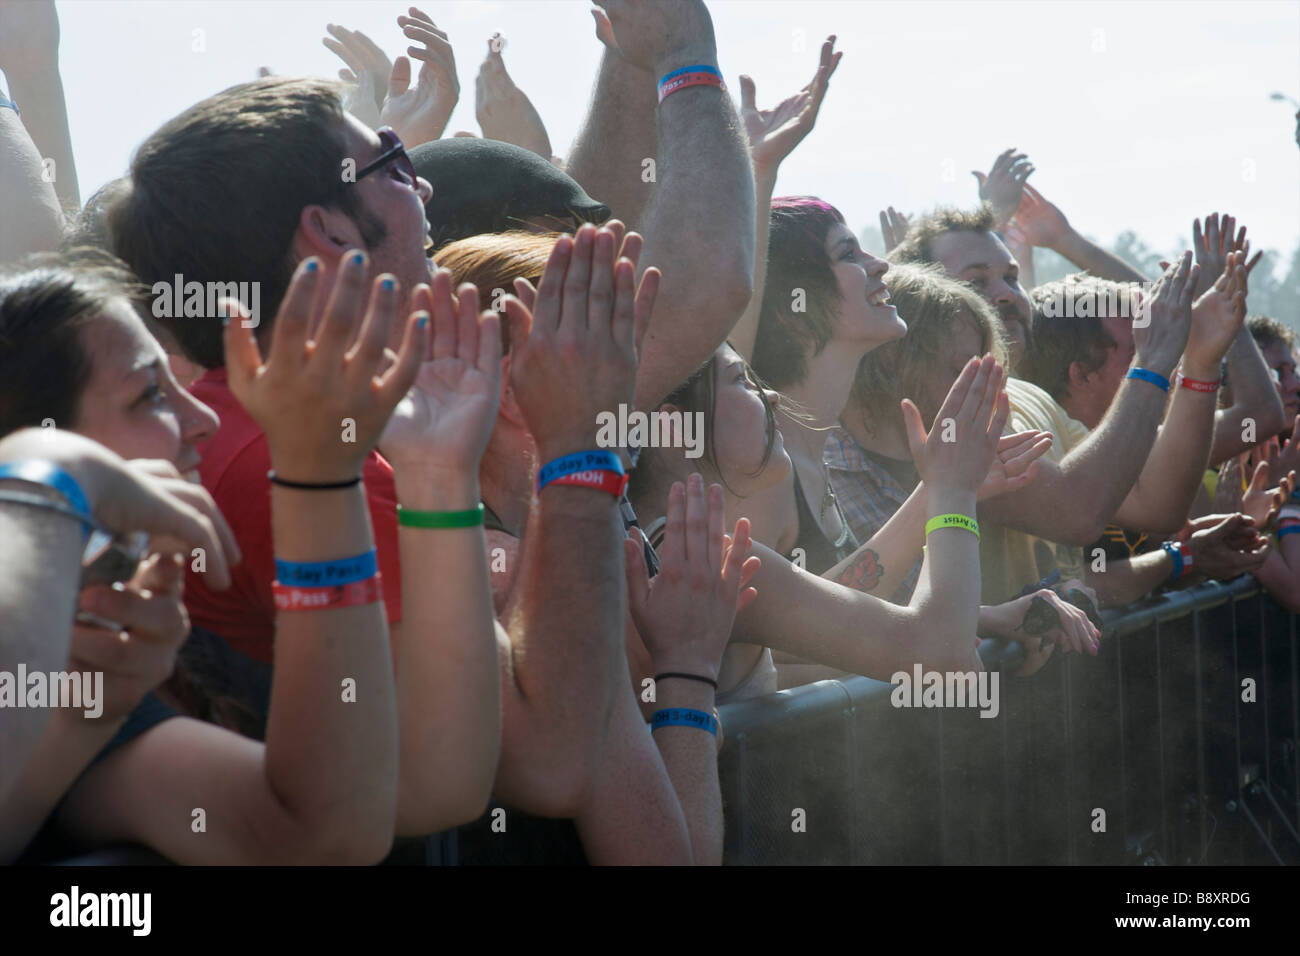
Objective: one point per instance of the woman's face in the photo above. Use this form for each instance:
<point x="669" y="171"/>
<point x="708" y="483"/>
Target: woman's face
<point x="740" y="427"/>
<point x="132" y="404"/>
<point x="865" y="315"/>
<point x="962" y="342"/>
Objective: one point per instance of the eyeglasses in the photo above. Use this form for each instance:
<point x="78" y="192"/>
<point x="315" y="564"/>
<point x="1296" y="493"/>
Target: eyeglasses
<point x="391" y="151"/>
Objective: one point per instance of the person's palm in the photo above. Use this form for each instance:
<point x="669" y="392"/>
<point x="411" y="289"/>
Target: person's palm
<point x="1040" y="222"/>
<point x="451" y="407"/>
<point x="418" y="113"/>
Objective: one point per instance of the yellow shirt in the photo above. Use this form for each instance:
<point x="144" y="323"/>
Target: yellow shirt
<point x="1010" y="559"/>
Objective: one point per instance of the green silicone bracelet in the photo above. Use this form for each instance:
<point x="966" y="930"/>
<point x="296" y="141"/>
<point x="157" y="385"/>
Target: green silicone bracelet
<point x="469" y="518"/>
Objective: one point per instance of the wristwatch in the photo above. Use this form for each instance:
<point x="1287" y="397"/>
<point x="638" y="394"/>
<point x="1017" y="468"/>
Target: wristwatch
<point x="5" y="101"/>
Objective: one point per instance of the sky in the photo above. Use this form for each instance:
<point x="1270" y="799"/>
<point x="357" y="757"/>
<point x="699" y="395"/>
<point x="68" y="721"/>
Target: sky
<point x="1137" y="115"/>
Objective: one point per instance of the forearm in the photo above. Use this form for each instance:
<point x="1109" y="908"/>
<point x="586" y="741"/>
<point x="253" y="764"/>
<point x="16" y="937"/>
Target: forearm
<point x="331" y="755"/>
<point x="1089" y="256"/>
<point x="745" y="333"/>
<point x="691" y="756"/>
<point x="29" y="207"/>
<point x="39" y="566"/>
<point x="566" y="629"/>
<point x="633" y="816"/>
<point x="1163" y="495"/>
<point x="947" y="597"/>
<point x="616" y="138"/>
<point x="66" y="747"/>
<point x="1126" y="581"/>
<point x="39" y="94"/>
<point x="699" y="231"/>
<point x="1073" y="502"/>
<point x="892" y="550"/>
<point x="1253" y="397"/>
<point x="1280" y="574"/>
<point x="448" y="682"/>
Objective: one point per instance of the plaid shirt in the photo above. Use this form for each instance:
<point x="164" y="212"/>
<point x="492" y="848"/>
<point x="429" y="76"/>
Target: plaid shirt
<point x="868" y="495"/>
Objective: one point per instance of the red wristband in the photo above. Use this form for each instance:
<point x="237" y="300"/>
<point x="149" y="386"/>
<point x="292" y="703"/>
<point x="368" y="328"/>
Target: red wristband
<point x="291" y="598"/>
<point x="597" y="478"/>
<point x="1198" y="386"/>
<point x="683" y="80"/>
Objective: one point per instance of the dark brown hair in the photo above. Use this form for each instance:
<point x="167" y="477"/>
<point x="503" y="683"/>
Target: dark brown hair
<point x="1061" y="336"/>
<point x="45" y="302"/>
<point x="215" y="195"/>
<point x="799" y="270"/>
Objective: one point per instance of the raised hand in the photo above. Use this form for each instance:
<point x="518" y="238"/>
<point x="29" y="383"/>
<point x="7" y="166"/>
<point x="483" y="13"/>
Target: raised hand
<point x="1038" y="221"/>
<point x="419" y="114"/>
<point x="893" y="228"/>
<point x="963" y="441"/>
<point x="1003" y="187"/>
<point x="685" y="613"/>
<point x="319" y="395"/>
<point x="661" y="35"/>
<point x="1217" y="317"/>
<point x="504" y="111"/>
<point x="1016" y="463"/>
<point x="773" y="134"/>
<point x="1262" y="501"/>
<point x="1161" y="334"/>
<point x="444" y="422"/>
<point x="367" y="72"/>
<point x="574" y="354"/>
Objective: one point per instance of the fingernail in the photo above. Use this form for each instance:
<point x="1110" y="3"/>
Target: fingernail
<point x="388" y="284"/>
<point x="424" y="320"/>
<point x="358" y="258"/>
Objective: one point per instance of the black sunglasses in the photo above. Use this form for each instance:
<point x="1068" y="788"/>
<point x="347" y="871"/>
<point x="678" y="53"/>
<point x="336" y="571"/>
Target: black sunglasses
<point x="391" y="150"/>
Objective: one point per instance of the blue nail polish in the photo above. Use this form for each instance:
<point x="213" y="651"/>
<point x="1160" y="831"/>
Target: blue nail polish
<point x="423" y="321"/>
<point x="388" y="285"/>
<point x="358" y="258"/>
<point x="312" y="265"/>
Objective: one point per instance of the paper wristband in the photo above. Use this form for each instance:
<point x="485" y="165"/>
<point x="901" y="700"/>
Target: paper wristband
<point x="684" y="717"/>
<point x="1198" y="386"/>
<point x="672" y="86"/>
<point x="51" y="476"/>
<point x="470" y="518"/>
<point x="291" y="598"/>
<point x="319" y="574"/>
<point x="952" y="521"/>
<point x="1144" y="375"/>
<point x="599" y="459"/>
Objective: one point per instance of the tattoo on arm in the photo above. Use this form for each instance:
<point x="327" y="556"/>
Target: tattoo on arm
<point x="864" y="573"/>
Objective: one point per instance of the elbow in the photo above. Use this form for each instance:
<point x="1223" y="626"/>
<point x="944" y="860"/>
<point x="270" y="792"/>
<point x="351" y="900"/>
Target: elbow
<point x="350" y="839"/>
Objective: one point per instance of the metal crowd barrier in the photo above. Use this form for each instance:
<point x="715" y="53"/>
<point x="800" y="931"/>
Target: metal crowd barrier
<point x="1175" y="745"/>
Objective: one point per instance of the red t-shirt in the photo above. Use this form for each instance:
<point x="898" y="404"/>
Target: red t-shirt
<point x="233" y="470"/>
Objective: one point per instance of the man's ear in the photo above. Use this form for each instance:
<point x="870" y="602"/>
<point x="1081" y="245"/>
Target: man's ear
<point x="325" y="233"/>
<point x="509" y="408"/>
<point x="1078" y="376"/>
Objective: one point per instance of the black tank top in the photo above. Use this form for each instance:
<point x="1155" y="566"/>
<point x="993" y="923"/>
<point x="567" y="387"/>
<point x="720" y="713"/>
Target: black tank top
<point x="820" y="554"/>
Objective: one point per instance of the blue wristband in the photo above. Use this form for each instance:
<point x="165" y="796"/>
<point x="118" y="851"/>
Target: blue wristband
<point x="1289" y="529"/>
<point x="1172" y="550"/>
<point x="689" y="69"/>
<point x="52" y="476"/>
<point x="599" y="459"/>
<point x="684" y="717"/>
<point x="321" y="574"/>
<point x="1145" y="375"/>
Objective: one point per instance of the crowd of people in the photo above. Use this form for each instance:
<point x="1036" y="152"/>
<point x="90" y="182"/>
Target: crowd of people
<point x="300" y="449"/>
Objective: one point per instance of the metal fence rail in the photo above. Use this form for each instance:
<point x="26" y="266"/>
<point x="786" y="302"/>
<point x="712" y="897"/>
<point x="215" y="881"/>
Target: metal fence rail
<point x="1151" y="752"/>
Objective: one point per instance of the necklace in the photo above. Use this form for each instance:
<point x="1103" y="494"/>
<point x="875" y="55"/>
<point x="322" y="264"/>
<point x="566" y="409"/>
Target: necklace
<point x="828" y="501"/>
